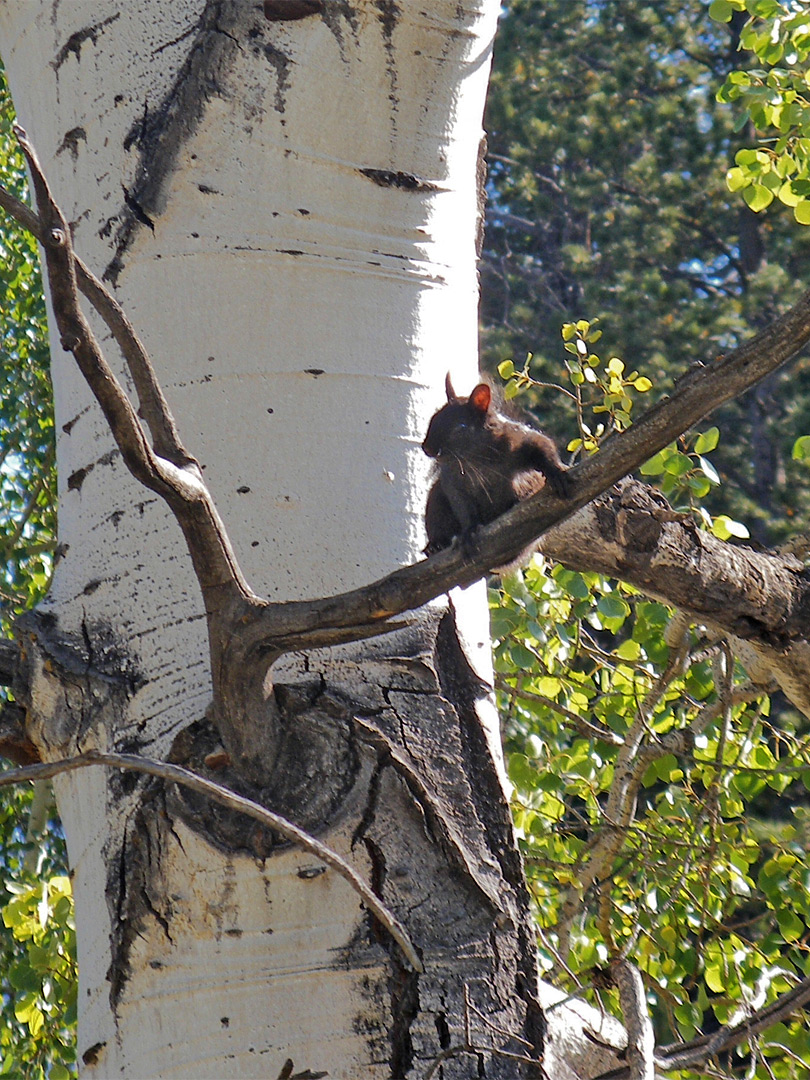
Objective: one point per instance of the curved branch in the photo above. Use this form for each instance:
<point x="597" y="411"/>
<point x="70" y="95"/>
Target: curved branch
<point x="178" y="775"/>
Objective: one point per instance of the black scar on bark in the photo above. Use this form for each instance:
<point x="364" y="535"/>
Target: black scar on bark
<point x="162" y="130"/>
<point x="287" y="10"/>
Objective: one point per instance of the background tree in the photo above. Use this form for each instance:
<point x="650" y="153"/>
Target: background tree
<point x="38" y="953"/>
<point x="717" y="928"/>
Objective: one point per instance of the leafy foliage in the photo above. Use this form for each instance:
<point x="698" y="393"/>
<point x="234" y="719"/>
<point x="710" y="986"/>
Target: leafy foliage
<point x="697" y="865"/>
<point x="27" y="476"/>
<point x="37" y="940"/>
<point x="773" y="99"/>
<point x="42" y="981"/>
<point x="661" y="800"/>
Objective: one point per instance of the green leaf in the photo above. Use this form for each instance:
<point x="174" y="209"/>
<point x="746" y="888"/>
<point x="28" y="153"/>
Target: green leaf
<point x="721" y="10"/>
<point x="802" y="212"/>
<point x="615" y="366"/>
<point x="677" y="464"/>
<point x="758" y="197"/>
<point x="790" y="925"/>
<point x="506" y="369"/>
<point x="724" y="528"/>
<point x="801" y="448"/>
<point x="708" y="441"/>
<point x="708" y="469"/>
<point x="628" y="650"/>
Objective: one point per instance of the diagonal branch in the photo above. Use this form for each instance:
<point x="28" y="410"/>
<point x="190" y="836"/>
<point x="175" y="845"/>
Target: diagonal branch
<point x="697" y="394"/>
<point x="178" y="775"/>
<point x="694" y="1054"/>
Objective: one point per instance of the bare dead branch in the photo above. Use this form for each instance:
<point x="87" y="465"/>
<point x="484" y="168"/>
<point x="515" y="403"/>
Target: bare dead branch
<point x="759" y="598"/>
<point x="178" y="775"/>
<point x="631" y="764"/>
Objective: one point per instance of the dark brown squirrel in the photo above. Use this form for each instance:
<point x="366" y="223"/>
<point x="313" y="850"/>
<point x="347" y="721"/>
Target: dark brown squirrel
<point x="485" y="463"/>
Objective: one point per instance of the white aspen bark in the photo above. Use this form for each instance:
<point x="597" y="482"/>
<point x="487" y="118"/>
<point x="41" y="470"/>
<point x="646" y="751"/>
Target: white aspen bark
<point x="287" y="211"/>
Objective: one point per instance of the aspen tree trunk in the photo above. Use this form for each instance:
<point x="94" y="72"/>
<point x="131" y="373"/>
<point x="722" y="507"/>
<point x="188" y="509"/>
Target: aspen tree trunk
<point x="287" y="209"/>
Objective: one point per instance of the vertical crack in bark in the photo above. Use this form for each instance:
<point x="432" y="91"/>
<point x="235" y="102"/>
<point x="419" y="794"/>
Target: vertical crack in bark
<point x="463" y="687"/>
<point x="405" y="1008"/>
<point x="403" y="983"/>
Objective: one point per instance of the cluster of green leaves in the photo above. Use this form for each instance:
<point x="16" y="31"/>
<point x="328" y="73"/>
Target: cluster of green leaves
<point x="706" y="883"/>
<point x="37" y="941"/>
<point x="776" y="100"/>
<point x="708" y="888"/>
<point x="37" y="948"/>
<point x="603" y="392"/>
<point x="42" y="981"/>
<point x="27" y="476"/>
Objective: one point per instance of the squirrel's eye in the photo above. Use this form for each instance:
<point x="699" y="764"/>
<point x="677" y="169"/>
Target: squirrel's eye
<point x="461" y="426"/>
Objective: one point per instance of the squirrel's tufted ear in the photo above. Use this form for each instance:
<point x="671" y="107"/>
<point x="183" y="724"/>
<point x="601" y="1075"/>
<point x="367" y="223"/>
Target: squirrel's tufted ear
<point x="481" y="397"/>
<point x="452" y="396"/>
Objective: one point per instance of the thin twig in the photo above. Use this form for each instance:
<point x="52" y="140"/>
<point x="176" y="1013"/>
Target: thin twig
<point x="178" y="775"/>
<point x="583" y="726"/>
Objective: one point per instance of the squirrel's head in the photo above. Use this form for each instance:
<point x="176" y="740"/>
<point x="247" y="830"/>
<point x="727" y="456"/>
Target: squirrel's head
<point x="450" y="428"/>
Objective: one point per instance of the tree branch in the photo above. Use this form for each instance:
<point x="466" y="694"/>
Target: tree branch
<point x="760" y="599"/>
<point x="698" y="393"/>
<point x="271" y="628"/>
<point x="640" y="1036"/>
<point x="178" y="775"/>
<point x="694" y="1054"/>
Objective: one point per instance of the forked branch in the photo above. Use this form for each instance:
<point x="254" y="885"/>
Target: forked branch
<point x="177" y="478"/>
